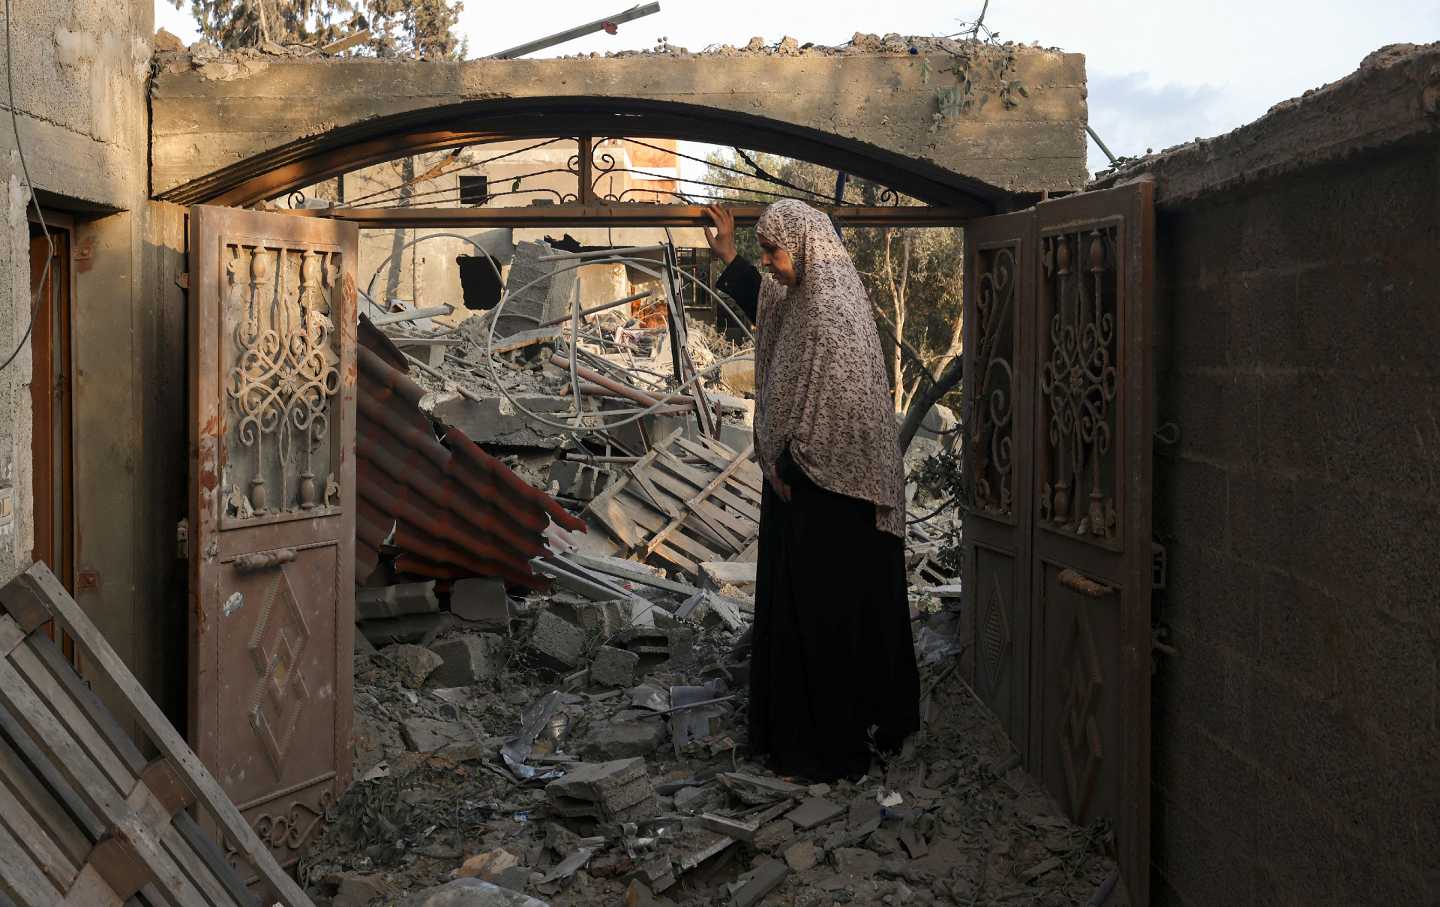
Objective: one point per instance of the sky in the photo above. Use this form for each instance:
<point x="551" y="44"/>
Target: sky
<point x="1161" y="72"/>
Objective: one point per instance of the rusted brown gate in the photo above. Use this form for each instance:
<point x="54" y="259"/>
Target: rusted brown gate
<point x="272" y="512"/>
<point x="1058" y="413"/>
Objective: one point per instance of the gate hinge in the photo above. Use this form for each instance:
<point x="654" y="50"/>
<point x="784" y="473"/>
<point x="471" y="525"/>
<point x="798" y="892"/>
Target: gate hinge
<point x="182" y="539"/>
<point x="182" y="280"/>
<point x="1159" y="566"/>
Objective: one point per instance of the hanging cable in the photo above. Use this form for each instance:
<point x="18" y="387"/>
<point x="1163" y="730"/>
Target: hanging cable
<point x="30" y="187"/>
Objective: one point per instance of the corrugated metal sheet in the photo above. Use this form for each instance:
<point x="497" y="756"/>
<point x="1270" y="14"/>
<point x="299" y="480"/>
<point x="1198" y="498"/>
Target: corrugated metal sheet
<point x="429" y="494"/>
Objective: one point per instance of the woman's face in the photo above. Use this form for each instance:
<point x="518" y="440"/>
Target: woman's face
<point x="778" y="262"/>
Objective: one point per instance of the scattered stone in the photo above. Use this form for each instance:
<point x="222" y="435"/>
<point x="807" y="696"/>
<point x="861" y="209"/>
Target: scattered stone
<point x="359" y="889"/>
<point x="819" y="790"/>
<point x="813" y="812"/>
<point x="488" y="865"/>
<point x="481" y="601"/>
<point x="759" y="790"/>
<point x="1041" y="868"/>
<point x="381" y="602"/>
<point x="467" y="660"/>
<point x="857" y="862"/>
<point x="759" y="882"/>
<point x="623" y="740"/>
<point x="415" y="663"/>
<point x="613" y="667"/>
<point x="772" y="836"/>
<point x="166" y="43"/>
<point x="557" y="643"/>
<point x="691" y="799"/>
<point x="734" y="828"/>
<point x="883" y="841"/>
<point x="607" y="791"/>
<point x="801" y="855"/>
<point x="471" y="893"/>
<point x="427" y="735"/>
<point x="914" y="843"/>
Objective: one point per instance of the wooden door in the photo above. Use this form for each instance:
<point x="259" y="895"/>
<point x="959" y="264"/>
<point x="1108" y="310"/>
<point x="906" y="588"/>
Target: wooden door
<point x="272" y="512"/>
<point x="1059" y="415"/>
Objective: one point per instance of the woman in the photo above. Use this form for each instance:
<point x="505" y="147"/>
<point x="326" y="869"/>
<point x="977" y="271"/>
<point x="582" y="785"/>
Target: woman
<point x="832" y="673"/>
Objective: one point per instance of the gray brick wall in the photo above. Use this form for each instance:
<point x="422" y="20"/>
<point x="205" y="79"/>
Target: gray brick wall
<point x="1296" y="749"/>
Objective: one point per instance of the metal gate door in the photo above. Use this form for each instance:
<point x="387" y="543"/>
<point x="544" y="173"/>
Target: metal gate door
<point x="1058" y="415"/>
<point x="272" y="512"/>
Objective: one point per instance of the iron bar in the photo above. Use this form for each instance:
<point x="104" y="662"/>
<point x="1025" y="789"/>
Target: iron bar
<point x="399" y="317"/>
<point x="631" y="215"/>
<point x="586" y="313"/>
<point x="606" y="24"/>
<point x="601" y="253"/>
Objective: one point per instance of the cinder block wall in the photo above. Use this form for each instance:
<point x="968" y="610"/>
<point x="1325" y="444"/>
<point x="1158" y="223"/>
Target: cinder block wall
<point x="1296" y="757"/>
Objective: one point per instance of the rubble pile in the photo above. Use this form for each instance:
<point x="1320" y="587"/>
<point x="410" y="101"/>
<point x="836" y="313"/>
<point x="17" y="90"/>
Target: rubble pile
<point x="581" y="758"/>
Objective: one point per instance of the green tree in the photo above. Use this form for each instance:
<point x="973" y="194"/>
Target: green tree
<point x="416" y="29"/>
<point x="912" y="275"/>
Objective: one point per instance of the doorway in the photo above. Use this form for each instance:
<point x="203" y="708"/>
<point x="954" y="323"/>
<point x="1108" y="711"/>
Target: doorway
<point x="51" y="384"/>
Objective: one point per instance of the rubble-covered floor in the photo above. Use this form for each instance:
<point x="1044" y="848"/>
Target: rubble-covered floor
<point x="953" y="820"/>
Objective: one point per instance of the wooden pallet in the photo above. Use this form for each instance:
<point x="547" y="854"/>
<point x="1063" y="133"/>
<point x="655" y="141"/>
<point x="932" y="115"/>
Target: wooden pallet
<point x="685" y="513"/>
<point x="85" y="819"/>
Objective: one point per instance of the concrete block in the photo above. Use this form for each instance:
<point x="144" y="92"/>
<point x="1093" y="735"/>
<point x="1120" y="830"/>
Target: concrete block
<point x="467" y="660"/>
<point x="857" y="862"/>
<point x="415" y="663"/>
<point x="801" y="855"/>
<point x="623" y="740"/>
<point x="396" y="601"/>
<point x="759" y="882"/>
<point x="428" y="735"/>
<point x="482" y="601"/>
<point x="471" y="893"/>
<point x="774" y="835"/>
<point x="556" y="643"/>
<point x="597" y="780"/>
<point x="613" y="667"/>
<point x="497" y="422"/>
<point x="813" y="812"/>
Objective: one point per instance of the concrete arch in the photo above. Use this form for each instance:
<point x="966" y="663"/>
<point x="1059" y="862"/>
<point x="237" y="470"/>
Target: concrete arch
<point x="236" y="132"/>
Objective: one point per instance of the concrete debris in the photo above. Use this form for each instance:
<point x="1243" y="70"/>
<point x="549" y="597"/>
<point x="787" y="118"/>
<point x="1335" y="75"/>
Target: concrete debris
<point x="623" y="739"/>
<point x="757" y="883"/>
<point x="488" y="866"/>
<point x="590" y="700"/>
<point x="613" y="667"/>
<point x="396" y="601"/>
<point x="481" y="602"/>
<point x="415" y="663"/>
<point x="467" y="660"/>
<point x="556" y="643"/>
<point x="471" y="893"/>
<point x="613" y="791"/>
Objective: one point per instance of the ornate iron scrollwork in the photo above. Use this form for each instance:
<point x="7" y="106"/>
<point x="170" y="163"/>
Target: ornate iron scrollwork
<point x="284" y="376"/>
<point x="1079" y="380"/>
<point x="991" y="424"/>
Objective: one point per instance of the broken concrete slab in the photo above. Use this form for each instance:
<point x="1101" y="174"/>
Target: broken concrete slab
<point x="429" y="735"/>
<point x="623" y="740"/>
<point x="606" y="791"/>
<point x="719" y="574"/>
<point x="801" y="855"/>
<point x="759" y="882"/>
<point x="857" y="862"/>
<point x="420" y="629"/>
<point x="415" y="663"/>
<point x="774" y="835"/>
<point x="396" y="601"/>
<point x="471" y="893"/>
<point x="759" y="790"/>
<point x="556" y="643"/>
<point x="613" y="667"/>
<point x="360" y="889"/>
<point x="481" y="601"/>
<point x="813" y="812"/>
<point x="496" y="422"/>
<point x="467" y="660"/>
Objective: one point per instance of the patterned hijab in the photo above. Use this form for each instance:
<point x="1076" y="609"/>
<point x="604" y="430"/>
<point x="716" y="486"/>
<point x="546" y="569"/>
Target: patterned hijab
<point x="821" y="387"/>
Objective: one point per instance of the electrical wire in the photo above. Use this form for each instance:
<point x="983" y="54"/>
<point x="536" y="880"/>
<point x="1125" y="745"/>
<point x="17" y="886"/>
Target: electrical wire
<point x="30" y="187"/>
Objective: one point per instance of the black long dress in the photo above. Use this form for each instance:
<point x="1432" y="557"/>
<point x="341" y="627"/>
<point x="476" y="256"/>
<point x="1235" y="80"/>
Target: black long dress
<point x="832" y="671"/>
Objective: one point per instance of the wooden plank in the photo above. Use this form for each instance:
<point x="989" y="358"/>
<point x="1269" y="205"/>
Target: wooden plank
<point x="674" y="557"/>
<point x="50" y="655"/>
<point x="200" y="874"/>
<point x="95" y="788"/>
<point x="34" y="778"/>
<point x="209" y="853"/>
<point x="90" y="890"/>
<point x="10" y="634"/>
<point x="43" y="848"/>
<point x="163" y="734"/>
<point x="71" y="716"/>
<point x="22" y="877"/>
<point x="614" y="518"/>
<point x="715" y="484"/>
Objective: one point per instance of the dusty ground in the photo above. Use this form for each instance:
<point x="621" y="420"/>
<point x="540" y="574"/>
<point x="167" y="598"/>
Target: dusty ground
<point x="964" y="825"/>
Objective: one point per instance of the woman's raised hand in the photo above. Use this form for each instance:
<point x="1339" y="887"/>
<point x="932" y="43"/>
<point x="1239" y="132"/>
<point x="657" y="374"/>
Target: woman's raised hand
<point x="722" y="237"/>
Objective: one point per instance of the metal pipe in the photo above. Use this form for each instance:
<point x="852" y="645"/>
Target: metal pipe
<point x="629" y="393"/>
<point x="601" y="253"/>
<point x="586" y="313"/>
<point x="398" y="317"/>
<point x="591" y="389"/>
<point x="606" y="24"/>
